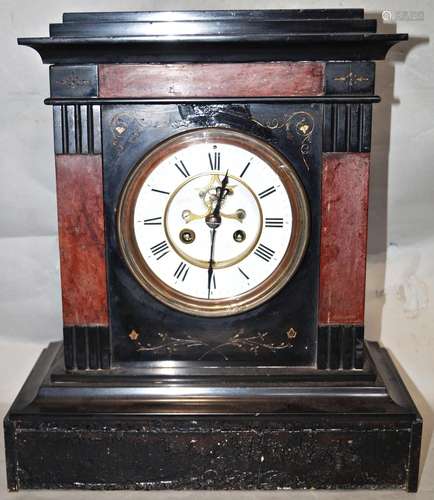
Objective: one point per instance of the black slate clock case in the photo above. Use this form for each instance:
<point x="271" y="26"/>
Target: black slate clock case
<point x="244" y="338"/>
<point x="98" y="412"/>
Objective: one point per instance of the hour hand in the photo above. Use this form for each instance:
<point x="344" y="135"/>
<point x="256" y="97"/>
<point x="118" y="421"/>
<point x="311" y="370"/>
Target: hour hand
<point x="222" y="194"/>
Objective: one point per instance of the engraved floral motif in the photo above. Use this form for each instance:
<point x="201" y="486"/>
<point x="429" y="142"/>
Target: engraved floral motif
<point x="73" y="81"/>
<point x="164" y="343"/>
<point x="351" y="78"/>
<point x="126" y="129"/>
<point x="299" y="124"/>
<point x="253" y="344"/>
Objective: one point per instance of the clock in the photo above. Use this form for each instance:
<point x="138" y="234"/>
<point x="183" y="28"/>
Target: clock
<point x="213" y="222"/>
<point x="212" y="172"/>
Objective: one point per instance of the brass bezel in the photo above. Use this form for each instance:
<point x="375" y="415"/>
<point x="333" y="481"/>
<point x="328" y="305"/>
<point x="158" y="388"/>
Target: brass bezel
<point x="214" y="307"/>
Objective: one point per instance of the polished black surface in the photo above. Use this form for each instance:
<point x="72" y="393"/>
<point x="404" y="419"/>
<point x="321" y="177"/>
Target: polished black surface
<point x="213" y="36"/>
<point x="74" y="81"/>
<point x="375" y="390"/>
<point x="355" y="78"/>
<point x="216" y="28"/>
<point x="249" y="338"/>
<point x="363" y="432"/>
<point x="226" y="48"/>
<point x="213" y="15"/>
<point x="326" y="99"/>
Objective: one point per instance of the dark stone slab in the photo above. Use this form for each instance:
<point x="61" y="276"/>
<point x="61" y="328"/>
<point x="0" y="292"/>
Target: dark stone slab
<point x="74" y="81"/>
<point x="212" y="15"/>
<point x="215" y="28"/>
<point x="349" y="78"/>
<point x="226" y="48"/>
<point x="133" y="308"/>
<point x="213" y="36"/>
<point x="312" y="441"/>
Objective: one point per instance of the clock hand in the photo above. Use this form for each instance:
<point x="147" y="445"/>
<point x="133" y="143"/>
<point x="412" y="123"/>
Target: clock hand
<point x="190" y="216"/>
<point x="211" y="261"/>
<point x="213" y="220"/>
<point x="222" y="194"/>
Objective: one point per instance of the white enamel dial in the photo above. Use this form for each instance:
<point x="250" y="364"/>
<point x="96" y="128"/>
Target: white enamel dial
<point x="212" y="222"/>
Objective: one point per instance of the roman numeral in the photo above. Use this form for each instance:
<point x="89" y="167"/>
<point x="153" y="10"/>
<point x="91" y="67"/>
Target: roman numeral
<point x="214" y="161"/>
<point x="273" y="222"/>
<point x="159" y="191"/>
<point x="160" y="249"/>
<point x="156" y="221"/>
<point x="213" y="281"/>
<point x="181" y="271"/>
<point x="264" y="252"/>
<point x="182" y="168"/>
<point x="245" y="169"/>
<point x="267" y="192"/>
<point x="243" y="273"/>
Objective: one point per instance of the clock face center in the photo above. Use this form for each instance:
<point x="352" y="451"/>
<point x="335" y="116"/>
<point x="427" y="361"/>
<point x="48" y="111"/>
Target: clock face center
<point x="213" y="222"/>
<point x="237" y="209"/>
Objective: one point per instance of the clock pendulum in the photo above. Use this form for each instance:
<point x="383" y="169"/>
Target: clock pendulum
<point x="212" y="232"/>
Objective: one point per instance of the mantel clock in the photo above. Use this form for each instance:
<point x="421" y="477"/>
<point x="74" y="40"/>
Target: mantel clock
<point x="212" y="184"/>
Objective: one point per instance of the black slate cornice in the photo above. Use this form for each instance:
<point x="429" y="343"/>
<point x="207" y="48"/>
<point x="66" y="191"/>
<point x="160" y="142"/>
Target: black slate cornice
<point x="213" y="36"/>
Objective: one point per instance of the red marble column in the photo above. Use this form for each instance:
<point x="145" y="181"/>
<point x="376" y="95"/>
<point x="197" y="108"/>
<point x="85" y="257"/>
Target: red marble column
<point x="81" y="239"/>
<point x="264" y="79"/>
<point x="344" y="223"/>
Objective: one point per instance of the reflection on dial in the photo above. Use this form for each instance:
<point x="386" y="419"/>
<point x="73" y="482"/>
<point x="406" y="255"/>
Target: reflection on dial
<point x="170" y="220"/>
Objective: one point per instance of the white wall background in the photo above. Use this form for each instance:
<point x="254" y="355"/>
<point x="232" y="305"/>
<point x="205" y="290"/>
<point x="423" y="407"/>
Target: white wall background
<point x="400" y="289"/>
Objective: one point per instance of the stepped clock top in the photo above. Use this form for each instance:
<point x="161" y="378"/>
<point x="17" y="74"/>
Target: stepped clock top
<point x="213" y="36"/>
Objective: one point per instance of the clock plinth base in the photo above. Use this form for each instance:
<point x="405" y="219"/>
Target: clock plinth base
<point x="360" y="430"/>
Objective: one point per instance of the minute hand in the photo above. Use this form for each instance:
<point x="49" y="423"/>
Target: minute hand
<point x="211" y="262"/>
<point x="213" y="220"/>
